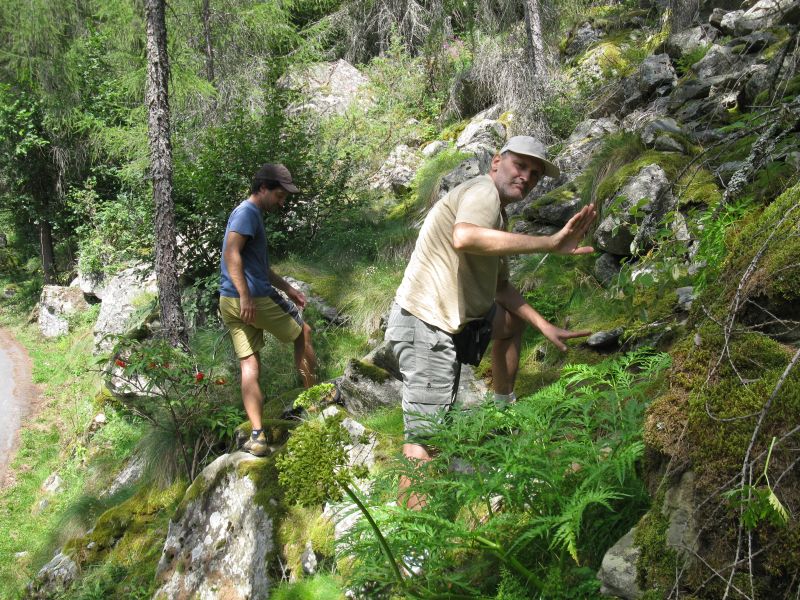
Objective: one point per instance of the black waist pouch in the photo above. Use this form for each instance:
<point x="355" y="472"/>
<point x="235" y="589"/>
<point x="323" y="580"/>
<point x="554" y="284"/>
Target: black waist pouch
<point x="471" y="342"/>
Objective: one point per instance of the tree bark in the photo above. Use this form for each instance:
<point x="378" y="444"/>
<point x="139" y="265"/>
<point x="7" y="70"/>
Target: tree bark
<point x="48" y="256"/>
<point x="207" y="34"/>
<point x="157" y="99"/>
<point x="533" y="27"/>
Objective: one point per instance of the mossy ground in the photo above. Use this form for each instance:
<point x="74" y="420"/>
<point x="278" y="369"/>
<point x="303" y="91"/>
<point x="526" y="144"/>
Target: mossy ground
<point x="717" y="390"/>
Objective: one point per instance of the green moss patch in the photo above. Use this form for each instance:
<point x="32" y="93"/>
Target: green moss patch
<point x="370" y="371"/>
<point x="299" y="526"/>
<point x="655" y="569"/>
<point x="705" y="422"/>
<point x="127" y="539"/>
<point x="777" y="274"/>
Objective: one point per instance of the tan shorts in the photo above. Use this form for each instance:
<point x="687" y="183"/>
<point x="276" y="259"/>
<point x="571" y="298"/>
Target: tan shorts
<point x="274" y="314"/>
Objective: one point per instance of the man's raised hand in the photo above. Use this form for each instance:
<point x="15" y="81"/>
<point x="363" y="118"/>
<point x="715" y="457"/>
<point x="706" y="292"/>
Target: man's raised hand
<point x="567" y="239"/>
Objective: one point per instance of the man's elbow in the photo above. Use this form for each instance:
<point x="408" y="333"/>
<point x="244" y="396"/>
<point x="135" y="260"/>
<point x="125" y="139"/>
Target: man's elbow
<point x="461" y="239"/>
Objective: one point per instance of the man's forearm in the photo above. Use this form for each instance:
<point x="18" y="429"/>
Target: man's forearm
<point x="509" y="298"/>
<point x="492" y="242"/>
<point x="278" y="282"/>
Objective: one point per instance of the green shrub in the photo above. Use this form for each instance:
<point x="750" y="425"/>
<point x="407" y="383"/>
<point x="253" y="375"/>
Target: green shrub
<point x="190" y="406"/>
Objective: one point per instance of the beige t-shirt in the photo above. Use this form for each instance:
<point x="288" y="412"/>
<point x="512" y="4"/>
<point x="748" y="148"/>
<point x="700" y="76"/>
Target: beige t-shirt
<point x="446" y="288"/>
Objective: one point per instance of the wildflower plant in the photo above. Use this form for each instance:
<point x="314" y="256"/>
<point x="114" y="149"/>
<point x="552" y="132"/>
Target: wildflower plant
<point x="168" y="389"/>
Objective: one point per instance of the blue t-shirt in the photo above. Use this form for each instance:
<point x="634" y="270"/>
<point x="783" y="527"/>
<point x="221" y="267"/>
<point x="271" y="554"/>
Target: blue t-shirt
<point x="246" y="219"/>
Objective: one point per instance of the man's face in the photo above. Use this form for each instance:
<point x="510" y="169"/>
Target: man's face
<point x="515" y="175"/>
<point x="273" y="200"/>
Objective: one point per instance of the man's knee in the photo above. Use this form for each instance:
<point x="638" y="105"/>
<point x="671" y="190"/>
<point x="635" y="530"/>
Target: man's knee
<point x="417" y="452"/>
<point x="249" y="366"/>
<point x="507" y="325"/>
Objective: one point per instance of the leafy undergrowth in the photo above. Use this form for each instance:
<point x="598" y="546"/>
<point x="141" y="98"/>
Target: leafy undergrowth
<point x="526" y="498"/>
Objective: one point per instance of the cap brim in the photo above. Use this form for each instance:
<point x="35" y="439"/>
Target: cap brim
<point x="550" y="169"/>
<point x="290" y="187"/>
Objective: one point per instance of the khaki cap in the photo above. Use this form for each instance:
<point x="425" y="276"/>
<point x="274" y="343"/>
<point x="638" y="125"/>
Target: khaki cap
<point x="530" y="146"/>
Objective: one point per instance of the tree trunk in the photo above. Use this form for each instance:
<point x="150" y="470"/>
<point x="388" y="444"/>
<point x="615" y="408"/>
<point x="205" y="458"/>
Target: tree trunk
<point x="156" y="96"/>
<point x="533" y="27"/>
<point x="48" y="256"/>
<point x="207" y="34"/>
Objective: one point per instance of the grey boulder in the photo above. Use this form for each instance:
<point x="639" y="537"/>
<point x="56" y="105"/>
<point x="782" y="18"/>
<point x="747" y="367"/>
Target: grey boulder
<point x="218" y="545"/>
<point x="55" y="305"/>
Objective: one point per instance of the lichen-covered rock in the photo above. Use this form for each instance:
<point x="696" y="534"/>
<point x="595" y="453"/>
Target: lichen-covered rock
<point x="218" y="546"/>
<point x="365" y="387"/>
<point x="581" y="37"/>
<point x="129" y="292"/>
<point x="327" y="88"/>
<point x="618" y="570"/>
<point x="764" y="14"/>
<point x="53" y="579"/>
<point x="689" y="40"/>
<point x="606" y="269"/>
<point x="433" y="148"/>
<point x="55" y="304"/>
<point x="657" y="127"/>
<point x="471" y="167"/>
<point x="487" y="133"/>
<point x="91" y="284"/>
<point x="655" y="77"/>
<point x="361" y="449"/>
<point x="586" y="139"/>
<point x="397" y="171"/>
<point x="556" y="207"/>
<point x="641" y="203"/>
<point x="605" y="340"/>
<point x="720" y="60"/>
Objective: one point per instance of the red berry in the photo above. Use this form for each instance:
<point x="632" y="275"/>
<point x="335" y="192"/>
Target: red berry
<point x="120" y="363"/>
<point x="199" y="377"/>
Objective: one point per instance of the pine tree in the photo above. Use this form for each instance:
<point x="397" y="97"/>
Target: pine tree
<point x="157" y="100"/>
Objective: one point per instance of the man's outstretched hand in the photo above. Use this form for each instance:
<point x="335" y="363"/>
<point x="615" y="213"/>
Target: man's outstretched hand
<point x="296" y="296"/>
<point x="566" y="241"/>
<point x="558" y="336"/>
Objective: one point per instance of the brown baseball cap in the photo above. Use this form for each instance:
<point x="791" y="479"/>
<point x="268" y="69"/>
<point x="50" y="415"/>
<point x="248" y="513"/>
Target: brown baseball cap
<point x="279" y="173"/>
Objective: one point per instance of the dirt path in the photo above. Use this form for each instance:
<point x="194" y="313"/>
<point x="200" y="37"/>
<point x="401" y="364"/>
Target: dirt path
<point x="17" y="396"/>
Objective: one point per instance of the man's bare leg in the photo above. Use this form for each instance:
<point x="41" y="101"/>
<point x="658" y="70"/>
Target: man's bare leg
<point x="305" y="359"/>
<point x="252" y="398"/>
<point x="506" y="346"/>
<point x="420" y="454"/>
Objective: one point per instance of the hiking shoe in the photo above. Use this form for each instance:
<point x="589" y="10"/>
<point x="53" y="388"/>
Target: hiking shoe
<point x="257" y="446"/>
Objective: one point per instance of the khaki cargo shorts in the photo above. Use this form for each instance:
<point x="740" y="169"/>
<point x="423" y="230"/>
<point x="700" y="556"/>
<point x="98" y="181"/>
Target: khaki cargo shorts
<point x="430" y="370"/>
<point x="274" y="314"/>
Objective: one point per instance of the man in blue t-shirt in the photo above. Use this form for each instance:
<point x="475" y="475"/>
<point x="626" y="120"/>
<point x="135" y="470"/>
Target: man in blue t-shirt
<point x="249" y="299"/>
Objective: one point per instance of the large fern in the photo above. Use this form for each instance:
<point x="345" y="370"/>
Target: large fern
<point x="547" y="482"/>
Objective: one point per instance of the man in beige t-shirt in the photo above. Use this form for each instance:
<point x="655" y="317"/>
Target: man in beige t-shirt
<point x="458" y="274"/>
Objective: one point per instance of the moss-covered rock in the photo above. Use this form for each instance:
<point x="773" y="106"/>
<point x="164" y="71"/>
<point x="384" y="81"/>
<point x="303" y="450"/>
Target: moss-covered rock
<point x="761" y="273"/>
<point x="707" y="421"/>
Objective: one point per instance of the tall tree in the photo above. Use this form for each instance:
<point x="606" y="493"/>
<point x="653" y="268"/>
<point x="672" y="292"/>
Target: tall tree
<point x="209" y="49"/>
<point x="533" y="27"/>
<point x="157" y="100"/>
